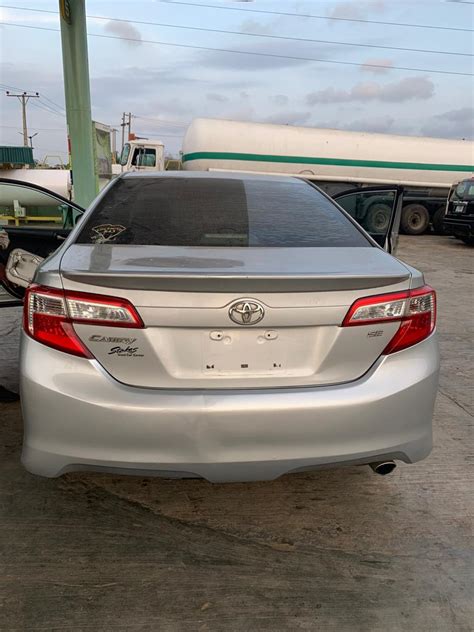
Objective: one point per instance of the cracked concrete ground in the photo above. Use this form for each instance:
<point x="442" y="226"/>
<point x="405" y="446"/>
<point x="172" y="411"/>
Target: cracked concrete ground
<point x="337" y="550"/>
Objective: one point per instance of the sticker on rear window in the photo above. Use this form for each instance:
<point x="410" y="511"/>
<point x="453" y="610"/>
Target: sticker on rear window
<point x="106" y="232"/>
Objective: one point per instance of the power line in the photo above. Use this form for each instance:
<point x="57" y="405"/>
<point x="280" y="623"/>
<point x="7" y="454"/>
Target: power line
<point x="288" y="38"/>
<point x="43" y="107"/>
<point x="60" y="107"/>
<point x="39" y="129"/>
<point x="263" y="35"/>
<point x="244" y="52"/>
<point x="43" y="96"/>
<point x="266" y="12"/>
<point x="49" y="108"/>
<point x="317" y="17"/>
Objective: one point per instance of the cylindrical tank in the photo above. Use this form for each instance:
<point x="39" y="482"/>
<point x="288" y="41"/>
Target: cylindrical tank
<point x="56" y="180"/>
<point x="326" y="154"/>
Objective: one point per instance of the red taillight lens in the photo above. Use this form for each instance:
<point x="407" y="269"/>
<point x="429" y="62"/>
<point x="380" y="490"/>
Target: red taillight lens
<point x="414" y="309"/>
<point x="49" y="315"/>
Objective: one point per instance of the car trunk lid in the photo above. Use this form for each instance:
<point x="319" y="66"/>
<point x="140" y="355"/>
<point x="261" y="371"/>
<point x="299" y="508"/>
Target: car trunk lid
<point x="185" y="296"/>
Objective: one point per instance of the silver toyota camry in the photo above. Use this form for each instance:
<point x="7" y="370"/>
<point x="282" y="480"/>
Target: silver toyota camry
<point x="230" y="327"/>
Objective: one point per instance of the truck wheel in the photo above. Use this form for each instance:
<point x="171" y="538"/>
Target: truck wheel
<point x="377" y="218"/>
<point x="415" y="219"/>
<point x="437" y="221"/>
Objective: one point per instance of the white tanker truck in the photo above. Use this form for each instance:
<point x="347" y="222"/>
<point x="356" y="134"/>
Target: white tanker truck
<point x="337" y="160"/>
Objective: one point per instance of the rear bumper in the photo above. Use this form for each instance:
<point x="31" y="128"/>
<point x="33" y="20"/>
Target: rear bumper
<point x="78" y="417"/>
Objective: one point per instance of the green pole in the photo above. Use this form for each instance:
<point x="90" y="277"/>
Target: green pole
<point x="78" y="99"/>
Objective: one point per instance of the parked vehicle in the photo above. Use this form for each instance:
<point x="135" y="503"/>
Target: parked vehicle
<point x="336" y="159"/>
<point x="224" y="326"/>
<point x="459" y="218"/>
<point x="141" y="155"/>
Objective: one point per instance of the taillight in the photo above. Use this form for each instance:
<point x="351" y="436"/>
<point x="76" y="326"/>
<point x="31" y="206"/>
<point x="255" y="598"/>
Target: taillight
<point x="49" y="315"/>
<point x="415" y="310"/>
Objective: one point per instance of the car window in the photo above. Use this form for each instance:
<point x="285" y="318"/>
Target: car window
<point x="372" y="210"/>
<point x="22" y="206"/>
<point x="218" y="212"/>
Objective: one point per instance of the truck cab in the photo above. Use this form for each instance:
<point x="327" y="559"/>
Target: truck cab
<point x="459" y="218"/>
<point x="141" y="155"/>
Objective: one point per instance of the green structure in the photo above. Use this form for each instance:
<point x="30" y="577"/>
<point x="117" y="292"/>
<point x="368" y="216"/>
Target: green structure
<point x="15" y="157"/>
<point x="78" y="100"/>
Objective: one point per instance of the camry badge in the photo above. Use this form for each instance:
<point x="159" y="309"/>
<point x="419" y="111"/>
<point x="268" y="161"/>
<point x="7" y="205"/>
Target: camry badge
<point x="247" y="312"/>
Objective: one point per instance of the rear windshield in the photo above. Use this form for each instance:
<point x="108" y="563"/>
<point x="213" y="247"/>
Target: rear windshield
<point x="218" y="212"/>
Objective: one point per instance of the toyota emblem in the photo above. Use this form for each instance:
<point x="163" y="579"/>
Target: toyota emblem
<point x="247" y="312"/>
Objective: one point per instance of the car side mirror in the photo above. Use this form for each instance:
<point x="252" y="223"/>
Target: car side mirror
<point x="21" y="267"/>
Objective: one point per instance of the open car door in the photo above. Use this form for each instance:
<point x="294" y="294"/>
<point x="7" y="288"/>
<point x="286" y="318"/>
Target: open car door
<point x="377" y="209"/>
<point x="34" y="221"/>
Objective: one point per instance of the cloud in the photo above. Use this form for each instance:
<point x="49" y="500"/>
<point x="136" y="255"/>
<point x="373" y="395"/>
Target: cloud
<point x="452" y="124"/>
<point x="124" y="29"/>
<point x="219" y="98"/>
<point x="252" y="26"/>
<point x="239" y="61"/>
<point x="289" y="117"/>
<point x="356" y="11"/>
<point x="279" y="99"/>
<point x="377" y="66"/>
<point x="410" y="88"/>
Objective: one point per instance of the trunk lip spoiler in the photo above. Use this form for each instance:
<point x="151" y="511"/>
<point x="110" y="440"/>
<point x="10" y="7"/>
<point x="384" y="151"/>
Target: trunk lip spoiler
<point x="229" y="282"/>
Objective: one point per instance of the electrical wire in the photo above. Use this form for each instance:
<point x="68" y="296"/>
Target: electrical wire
<point x="45" y="109"/>
<point x="244" y="52"/>
<point x="60" y="107"/>
<point x="262" y="35"/>
<point x="36" y="129"/>
<point x="291" y="39"/>
<point x="42" y="96"/>
<point x="267" y="12"/>
<point x="316" y="17"/>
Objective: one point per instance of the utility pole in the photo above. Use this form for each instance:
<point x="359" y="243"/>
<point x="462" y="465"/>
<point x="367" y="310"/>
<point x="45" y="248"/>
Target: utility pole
<point x="113" y="139"/>
<point x="78" y="99"/>
<point x="24" y="97"/>
<point x="126" y="122"/>
<point x="122" y="125"/>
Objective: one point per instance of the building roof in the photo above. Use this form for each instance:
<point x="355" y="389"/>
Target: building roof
<point x="16" y="155"/>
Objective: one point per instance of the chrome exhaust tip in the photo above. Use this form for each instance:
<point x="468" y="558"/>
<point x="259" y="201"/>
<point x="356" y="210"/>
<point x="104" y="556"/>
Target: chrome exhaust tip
<point x="383" y="467"/>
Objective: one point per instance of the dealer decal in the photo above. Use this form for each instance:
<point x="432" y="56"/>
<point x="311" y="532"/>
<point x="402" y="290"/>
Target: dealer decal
<point x="125" y="352"/>
<point x="106" y="232"/>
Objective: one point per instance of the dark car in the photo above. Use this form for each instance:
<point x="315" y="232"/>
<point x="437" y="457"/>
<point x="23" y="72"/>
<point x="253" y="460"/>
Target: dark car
<point x="459" y="218"/>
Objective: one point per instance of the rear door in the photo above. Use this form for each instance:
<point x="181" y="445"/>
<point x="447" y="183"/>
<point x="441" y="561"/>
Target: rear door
<point x="377" y="210"/>
<point x="34" y="222"/>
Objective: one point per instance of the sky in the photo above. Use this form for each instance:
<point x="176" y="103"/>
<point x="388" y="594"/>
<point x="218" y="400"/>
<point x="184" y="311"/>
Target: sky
<point x="165" y="86"/>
